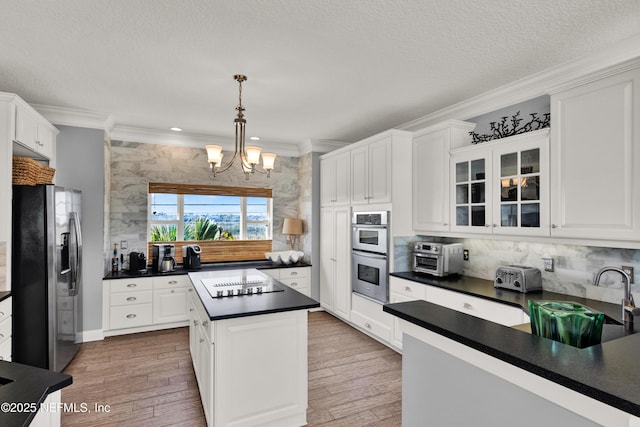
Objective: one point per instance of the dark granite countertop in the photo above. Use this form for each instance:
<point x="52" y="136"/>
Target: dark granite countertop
<point x="22" y="384"/>
<point x="4" y="295"/>
<point x="606" y="372"/>
<point x="261" y="265"/>
<point x="250" y="305"/>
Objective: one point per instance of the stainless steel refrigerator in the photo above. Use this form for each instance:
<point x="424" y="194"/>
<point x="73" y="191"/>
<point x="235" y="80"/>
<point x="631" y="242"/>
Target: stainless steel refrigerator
<point x="46" y="278"/>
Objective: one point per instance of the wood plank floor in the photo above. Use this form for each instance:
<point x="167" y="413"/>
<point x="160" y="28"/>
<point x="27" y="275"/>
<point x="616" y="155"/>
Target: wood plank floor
<point x="147" y="380"/>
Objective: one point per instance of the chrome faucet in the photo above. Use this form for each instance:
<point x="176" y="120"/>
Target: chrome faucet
<point x="629" y="308"/>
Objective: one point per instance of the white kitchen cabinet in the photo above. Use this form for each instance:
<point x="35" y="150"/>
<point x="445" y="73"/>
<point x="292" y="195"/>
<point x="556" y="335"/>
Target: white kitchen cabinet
<point x="596" y="159"/>
<point x="50" y="412"/>
<point x="335" y="261"/>
<point x="368" y="316"/>
<point x="250" y="370"/>
<point x="34" y="132"/>
<point x="502" y="187"/>
<point x="170" y="299"/>
<point x="5" y="329"/>
<point x="298" y="278"/>
<point x="402" y="290"/>
<point x="430" y="169"/>
<point x="371" y="171"/>
<point x="478" y="307"/>
<point x="334" y="179"/>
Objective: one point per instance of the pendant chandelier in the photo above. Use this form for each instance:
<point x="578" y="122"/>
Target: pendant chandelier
<point x="249" y="156"/>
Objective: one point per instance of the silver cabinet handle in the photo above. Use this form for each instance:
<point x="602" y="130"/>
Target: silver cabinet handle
<point x="191" y="309"/>
<point x="173" y="282"/>
<point x="131" y="285"/>
<point x="190" y="290"/>
<point x="205" y="323"/>
<point x="132" y="299"/>
<point x="1" y="336"/>
<point x="495" y="225"/>
<point x="293" y="284"/>
<point x="293" y="273"/>
<point x="408" y="289"/>
<point x="467" y="306"/>
<point x="196" y="323"/>
<point x="554" y="226"/>
<point x="201" y="340"/>
<point x="368" y="325"/>
<point x="1" y="313"/>
<point x="173" y="291"/>
<point x="487" y="225"/>
<point x="445" y="224"/>
<point x="131" y="316"/>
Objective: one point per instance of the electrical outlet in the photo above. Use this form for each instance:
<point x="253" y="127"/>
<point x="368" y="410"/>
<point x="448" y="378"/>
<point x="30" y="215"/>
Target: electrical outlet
<point x="124" y="244"/>
<point x="629" y="270"/>
<point x="548" y="264"/>
<point x="465" y="254"/>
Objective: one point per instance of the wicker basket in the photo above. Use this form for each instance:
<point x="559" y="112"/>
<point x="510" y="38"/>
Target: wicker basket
<point x="25" y="171"/>
<point x="45" y="175"/>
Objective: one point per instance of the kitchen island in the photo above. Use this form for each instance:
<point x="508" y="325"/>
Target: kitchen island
<point x="248" y="343"/>
<point x="459" y="369"/>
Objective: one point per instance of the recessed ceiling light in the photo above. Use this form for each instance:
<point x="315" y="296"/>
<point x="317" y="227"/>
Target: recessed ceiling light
<point x="175" y="129"/>
<point x="254" y="138"/>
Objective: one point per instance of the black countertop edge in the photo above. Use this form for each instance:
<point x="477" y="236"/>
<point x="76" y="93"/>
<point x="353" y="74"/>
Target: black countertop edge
<point x="484" y="289"/>
<point x="261" y="265"/>
<point x="250" y="305"/>
<point x="4" y="295"/>
<point x="605" y="372"/>
<point x="29" y="385"/>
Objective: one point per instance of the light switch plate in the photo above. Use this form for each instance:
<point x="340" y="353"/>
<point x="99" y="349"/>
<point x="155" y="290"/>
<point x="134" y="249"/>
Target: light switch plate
<point x="629" y="270"/>
<point x="548" y="264"/>
<point x="123" y="245"/>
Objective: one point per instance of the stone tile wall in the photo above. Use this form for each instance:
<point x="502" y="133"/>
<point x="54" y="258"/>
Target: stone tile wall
<point x="574" y="266"/>
<point x="3" y="265"/>
<point x="134" y="165"/>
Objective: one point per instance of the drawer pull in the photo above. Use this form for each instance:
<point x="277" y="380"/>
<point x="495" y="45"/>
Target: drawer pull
<point x="205" y="323"/>
<point x="173" y="282"/>
<point x="467" y="306"/>
<point x="368" y="325"/>
<point x="1" y="336"/>
<point x="191" y="309"/>
<point x="1" y="313"/>
<point x="407" y="288"/>
<point x="131" y="316"/>
<point x="294" y="273"/>
<point x="196" y="323"/>
<point x="294" y="284"/>
<point x="190" y="290"/>
<point x="173" y="291"/>
<point x="132" y="299"/>
<point x="131" y="285"/>
<point x="201" y="340"/>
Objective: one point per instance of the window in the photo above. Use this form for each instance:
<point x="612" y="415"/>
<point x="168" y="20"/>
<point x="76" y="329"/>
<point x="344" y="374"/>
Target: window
<point x="179" y="212"/>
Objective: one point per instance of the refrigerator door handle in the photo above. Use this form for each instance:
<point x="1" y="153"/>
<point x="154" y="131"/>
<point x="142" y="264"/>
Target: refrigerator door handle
<point x="76" y="254"/>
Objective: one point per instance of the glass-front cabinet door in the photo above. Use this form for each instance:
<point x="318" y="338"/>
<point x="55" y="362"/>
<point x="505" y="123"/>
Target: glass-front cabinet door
<point x="521" y="185"/>
<point x="471" y="192"/>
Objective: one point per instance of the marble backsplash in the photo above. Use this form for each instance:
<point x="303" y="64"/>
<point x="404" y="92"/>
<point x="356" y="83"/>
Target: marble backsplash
<point x="3" y="265"/>
<point x="574" y="266"/>
<point x="134" y="165"/>
<point x="305" y="203"/>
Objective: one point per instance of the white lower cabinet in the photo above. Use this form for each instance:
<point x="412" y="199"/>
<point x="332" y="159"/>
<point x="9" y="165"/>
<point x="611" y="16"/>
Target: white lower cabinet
<point x="52" y="416"/>
<point x="144" y="304"/>
<point x="5" y="329"/>
<point x="401" y="290"/>
<point x="250" y="370"/>
<point x="298" y="278"/>
<point x="368" y="315"/>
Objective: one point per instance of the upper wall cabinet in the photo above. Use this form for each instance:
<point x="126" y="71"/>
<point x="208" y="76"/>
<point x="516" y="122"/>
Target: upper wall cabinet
<point x="371" y="172"/>
<point x="430" y="166"/>
<point x="502" y="187"/>
<point x="596" y="159"/>
<point x="334" y="179"/>
<point x="34" y="132"/>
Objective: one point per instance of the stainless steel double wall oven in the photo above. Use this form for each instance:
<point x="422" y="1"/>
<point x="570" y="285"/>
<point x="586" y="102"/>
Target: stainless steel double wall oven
<point x="370" y="254"/>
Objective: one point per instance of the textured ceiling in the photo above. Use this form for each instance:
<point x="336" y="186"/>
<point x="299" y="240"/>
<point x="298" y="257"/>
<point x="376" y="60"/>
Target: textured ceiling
<point x="326" y="69"/>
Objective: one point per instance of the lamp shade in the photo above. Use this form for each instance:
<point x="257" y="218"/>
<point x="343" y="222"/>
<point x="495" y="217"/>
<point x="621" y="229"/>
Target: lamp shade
<point x="268" y="160"/>
<point x="292" y="226"/>
<point x="214" y="154"/>
<point x="253" y="154"/>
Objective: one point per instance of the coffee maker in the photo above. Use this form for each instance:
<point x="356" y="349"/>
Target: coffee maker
<point x="162" y="258"/>
<point x="191" y="257"/>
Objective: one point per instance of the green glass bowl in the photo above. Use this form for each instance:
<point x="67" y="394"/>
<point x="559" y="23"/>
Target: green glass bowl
<point x="567" y="322"/>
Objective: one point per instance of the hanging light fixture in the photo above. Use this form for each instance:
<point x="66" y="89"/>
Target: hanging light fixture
<point x="249" y="155"/>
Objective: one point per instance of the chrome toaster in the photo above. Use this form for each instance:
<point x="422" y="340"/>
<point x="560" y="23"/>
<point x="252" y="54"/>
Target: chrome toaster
<point x="518" y="278"/>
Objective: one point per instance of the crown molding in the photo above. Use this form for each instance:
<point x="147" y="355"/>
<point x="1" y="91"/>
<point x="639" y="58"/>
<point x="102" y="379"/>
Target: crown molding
<point x="623" y="55"/>
<point x="182" y="139"/>
<point x="74" y="117"/>
<point x="319" y="146"/>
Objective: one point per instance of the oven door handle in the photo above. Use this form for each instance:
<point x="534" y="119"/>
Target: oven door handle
<point x="369" y="255"/>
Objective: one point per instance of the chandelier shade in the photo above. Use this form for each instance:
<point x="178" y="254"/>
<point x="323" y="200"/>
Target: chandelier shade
<point x="249" y="156"/>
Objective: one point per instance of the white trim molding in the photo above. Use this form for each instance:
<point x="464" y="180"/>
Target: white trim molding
<point x="74" y="117"/>
<point x="92" y="335"/>
<point x="320" y="146"/>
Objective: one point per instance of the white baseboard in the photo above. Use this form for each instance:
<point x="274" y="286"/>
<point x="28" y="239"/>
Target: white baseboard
<point x="92" y="335"/>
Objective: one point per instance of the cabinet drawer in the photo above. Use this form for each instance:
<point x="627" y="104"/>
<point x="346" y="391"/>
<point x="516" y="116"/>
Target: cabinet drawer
<point x="478" y="307"/>
<point x="293" y="273"/>
<point x="5" y="350"/>
<point x="407" y="288"/>
<point x="171" y="282"/>
<point x="130" y="316"/>
<point x="5" y="309"/>
<point x="5" y="329"/>
<point x="126" y="285"/>
<point x="297" y="283"/>
<point x="372" y="326"/>
<point x="272" y="272"/>
<point x="131" y="298"/>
